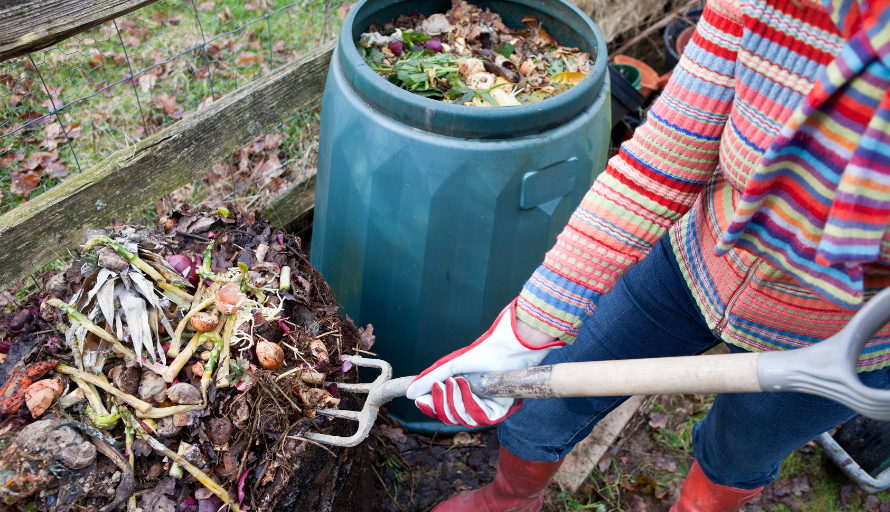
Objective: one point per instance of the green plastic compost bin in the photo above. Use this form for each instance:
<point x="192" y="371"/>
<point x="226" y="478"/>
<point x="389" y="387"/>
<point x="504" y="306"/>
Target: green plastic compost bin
<point x="429" y="216"/>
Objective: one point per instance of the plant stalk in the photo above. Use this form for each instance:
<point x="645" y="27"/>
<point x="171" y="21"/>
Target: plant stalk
<point x="202" y="477"/>
<point x="173" y="370"/>
<point x="176" y="339"/>
<point x="108" y="388"/>
<point x="222" y="375"/>
<point x="135" y="259"/>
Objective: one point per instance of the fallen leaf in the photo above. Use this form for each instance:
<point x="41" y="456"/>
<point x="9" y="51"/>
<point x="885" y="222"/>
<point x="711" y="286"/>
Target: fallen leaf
<point x="658" y="420"/>
<point x="344" y="9"/>
<point x="156" y="500"/>
<point x="147" y="81"/>
<point x="844" y="497"/>
<point x="800" y="486"/>
<point x="394" y="434"/>
<point x="668" y="463"/>
<point x="23" y="185"/>
<point x="604" y="463"/>
<point x="141" y="448"/>
<point x="639" y="504"/>
<point x="367" y="336"/>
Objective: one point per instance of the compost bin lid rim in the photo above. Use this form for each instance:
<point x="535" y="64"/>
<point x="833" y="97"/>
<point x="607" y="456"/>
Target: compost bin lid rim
<point x="468" y="122"/>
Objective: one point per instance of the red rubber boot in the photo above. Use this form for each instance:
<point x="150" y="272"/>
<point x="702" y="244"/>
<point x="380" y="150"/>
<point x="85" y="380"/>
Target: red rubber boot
<point x="699" y="494"/>
<point x="518" y="487"/>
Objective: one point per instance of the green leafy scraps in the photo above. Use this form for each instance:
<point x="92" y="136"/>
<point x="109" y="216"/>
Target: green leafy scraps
<point x="418" y="71"/>
<point x="505" y="49"/>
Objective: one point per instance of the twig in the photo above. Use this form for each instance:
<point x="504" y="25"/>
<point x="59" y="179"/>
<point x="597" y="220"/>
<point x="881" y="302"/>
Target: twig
<point x="194" y="237"/>
<point x="668" y="18"/>
<point x="222" y="372"/>
<point x="294" y="405"/>
<point x="128" y="483"/>
<point x="323" y="447"/>
<point x="387" y="490"/>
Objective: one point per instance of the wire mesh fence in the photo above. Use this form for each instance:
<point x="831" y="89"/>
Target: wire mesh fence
<point x="70" y="105"/>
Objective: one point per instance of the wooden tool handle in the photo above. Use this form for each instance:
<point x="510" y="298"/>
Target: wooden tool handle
<point x="732" y="373"/>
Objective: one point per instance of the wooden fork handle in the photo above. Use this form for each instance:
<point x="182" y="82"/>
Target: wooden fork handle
<point x="731" y="373"/>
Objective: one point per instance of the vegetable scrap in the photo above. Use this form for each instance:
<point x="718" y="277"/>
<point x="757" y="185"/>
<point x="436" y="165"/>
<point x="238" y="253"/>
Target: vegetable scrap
<point x="176" y="365"/>
<point x="469" y="57"/>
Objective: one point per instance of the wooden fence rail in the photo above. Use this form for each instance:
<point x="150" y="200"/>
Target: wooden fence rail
<point x="44" y="228"/>
<point x="29" y="25"/>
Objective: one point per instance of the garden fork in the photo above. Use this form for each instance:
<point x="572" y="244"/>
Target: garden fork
<point x="826" y="369"/>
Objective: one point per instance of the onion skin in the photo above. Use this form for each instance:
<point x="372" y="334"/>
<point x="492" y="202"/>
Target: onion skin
<point x="397" y="47"/>
<point x="270" y="355"/>
<point x="434" y="45"/>
<point x="204" y="322"/>
<point x="185" y="265"/>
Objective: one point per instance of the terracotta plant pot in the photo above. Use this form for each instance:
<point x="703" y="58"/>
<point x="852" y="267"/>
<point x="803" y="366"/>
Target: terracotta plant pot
<point x="683" y="39"/>
<point x="648" y="76"/>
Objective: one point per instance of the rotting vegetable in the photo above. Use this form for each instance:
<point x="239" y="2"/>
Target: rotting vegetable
<point x="469" y="57"/>
<point x="161" y="359"/>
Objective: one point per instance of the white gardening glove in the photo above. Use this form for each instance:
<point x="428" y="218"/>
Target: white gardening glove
<point x="440" y="395"/>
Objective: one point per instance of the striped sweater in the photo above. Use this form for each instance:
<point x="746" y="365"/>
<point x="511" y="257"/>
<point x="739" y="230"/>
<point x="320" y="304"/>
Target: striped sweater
<point x="749" y="64"/>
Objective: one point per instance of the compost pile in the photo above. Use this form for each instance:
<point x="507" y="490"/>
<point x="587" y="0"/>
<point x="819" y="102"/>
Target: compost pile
<point x="469" y="57"/>
<point x="173" y="368"/>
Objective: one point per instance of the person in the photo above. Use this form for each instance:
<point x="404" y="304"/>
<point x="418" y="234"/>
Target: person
<point x="751" y="208"/>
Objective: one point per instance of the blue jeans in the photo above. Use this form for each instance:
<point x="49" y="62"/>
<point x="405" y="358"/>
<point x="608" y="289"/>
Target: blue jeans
<point x="651" y="313"/>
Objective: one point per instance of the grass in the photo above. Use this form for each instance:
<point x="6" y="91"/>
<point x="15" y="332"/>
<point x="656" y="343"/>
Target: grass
<point x="98" y="109"/>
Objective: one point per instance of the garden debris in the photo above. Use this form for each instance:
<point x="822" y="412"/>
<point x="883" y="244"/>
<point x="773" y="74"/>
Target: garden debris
<point x="174" y="367"/>
<point x="469" y="57"/>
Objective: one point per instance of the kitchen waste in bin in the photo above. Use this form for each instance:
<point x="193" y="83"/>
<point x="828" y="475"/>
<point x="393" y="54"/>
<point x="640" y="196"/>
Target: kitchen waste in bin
<point x="469" y="57"/>
<point x="179" y="364"/>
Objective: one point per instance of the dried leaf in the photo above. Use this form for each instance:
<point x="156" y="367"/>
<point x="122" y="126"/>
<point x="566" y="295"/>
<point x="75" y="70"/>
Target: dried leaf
<point x="394" y="434"/>
<point x="658" y="420"/>
<point x="156" y="500"/>
<point x="147" y="81"/>
<point x="567" y="77"/>
<point x="367" y="337"/>
<point x="141" y="448"/>
<point x="666" y="463"/>
<point x="604" y="462"/>
<point x="24" y="185"/>
<point x="136" y="315"/>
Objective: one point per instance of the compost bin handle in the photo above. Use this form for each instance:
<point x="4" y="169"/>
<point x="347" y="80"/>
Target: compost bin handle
<point x="551" y="182"/>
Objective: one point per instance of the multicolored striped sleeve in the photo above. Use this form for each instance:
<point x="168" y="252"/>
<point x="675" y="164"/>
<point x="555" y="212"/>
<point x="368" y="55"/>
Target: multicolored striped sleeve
<point x="652" y="182"/>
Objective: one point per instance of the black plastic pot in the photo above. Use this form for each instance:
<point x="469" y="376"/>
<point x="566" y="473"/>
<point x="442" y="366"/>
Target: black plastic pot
<point x="671" y="56"/>
<point x="867" y="441"/>
<point x="625" y="97"/>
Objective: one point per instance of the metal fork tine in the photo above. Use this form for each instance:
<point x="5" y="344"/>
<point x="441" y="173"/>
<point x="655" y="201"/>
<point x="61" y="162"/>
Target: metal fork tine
<point x="336" y="413"/>
<point x="381" y="391"/>
<point x="353" y="388"/>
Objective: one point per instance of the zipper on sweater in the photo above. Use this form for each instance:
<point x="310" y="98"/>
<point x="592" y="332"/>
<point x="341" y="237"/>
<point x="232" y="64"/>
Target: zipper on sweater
<point x="735" y="297"/>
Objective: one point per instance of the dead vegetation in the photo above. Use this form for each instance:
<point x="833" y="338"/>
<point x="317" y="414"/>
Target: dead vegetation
<point x="176" y="365"/>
